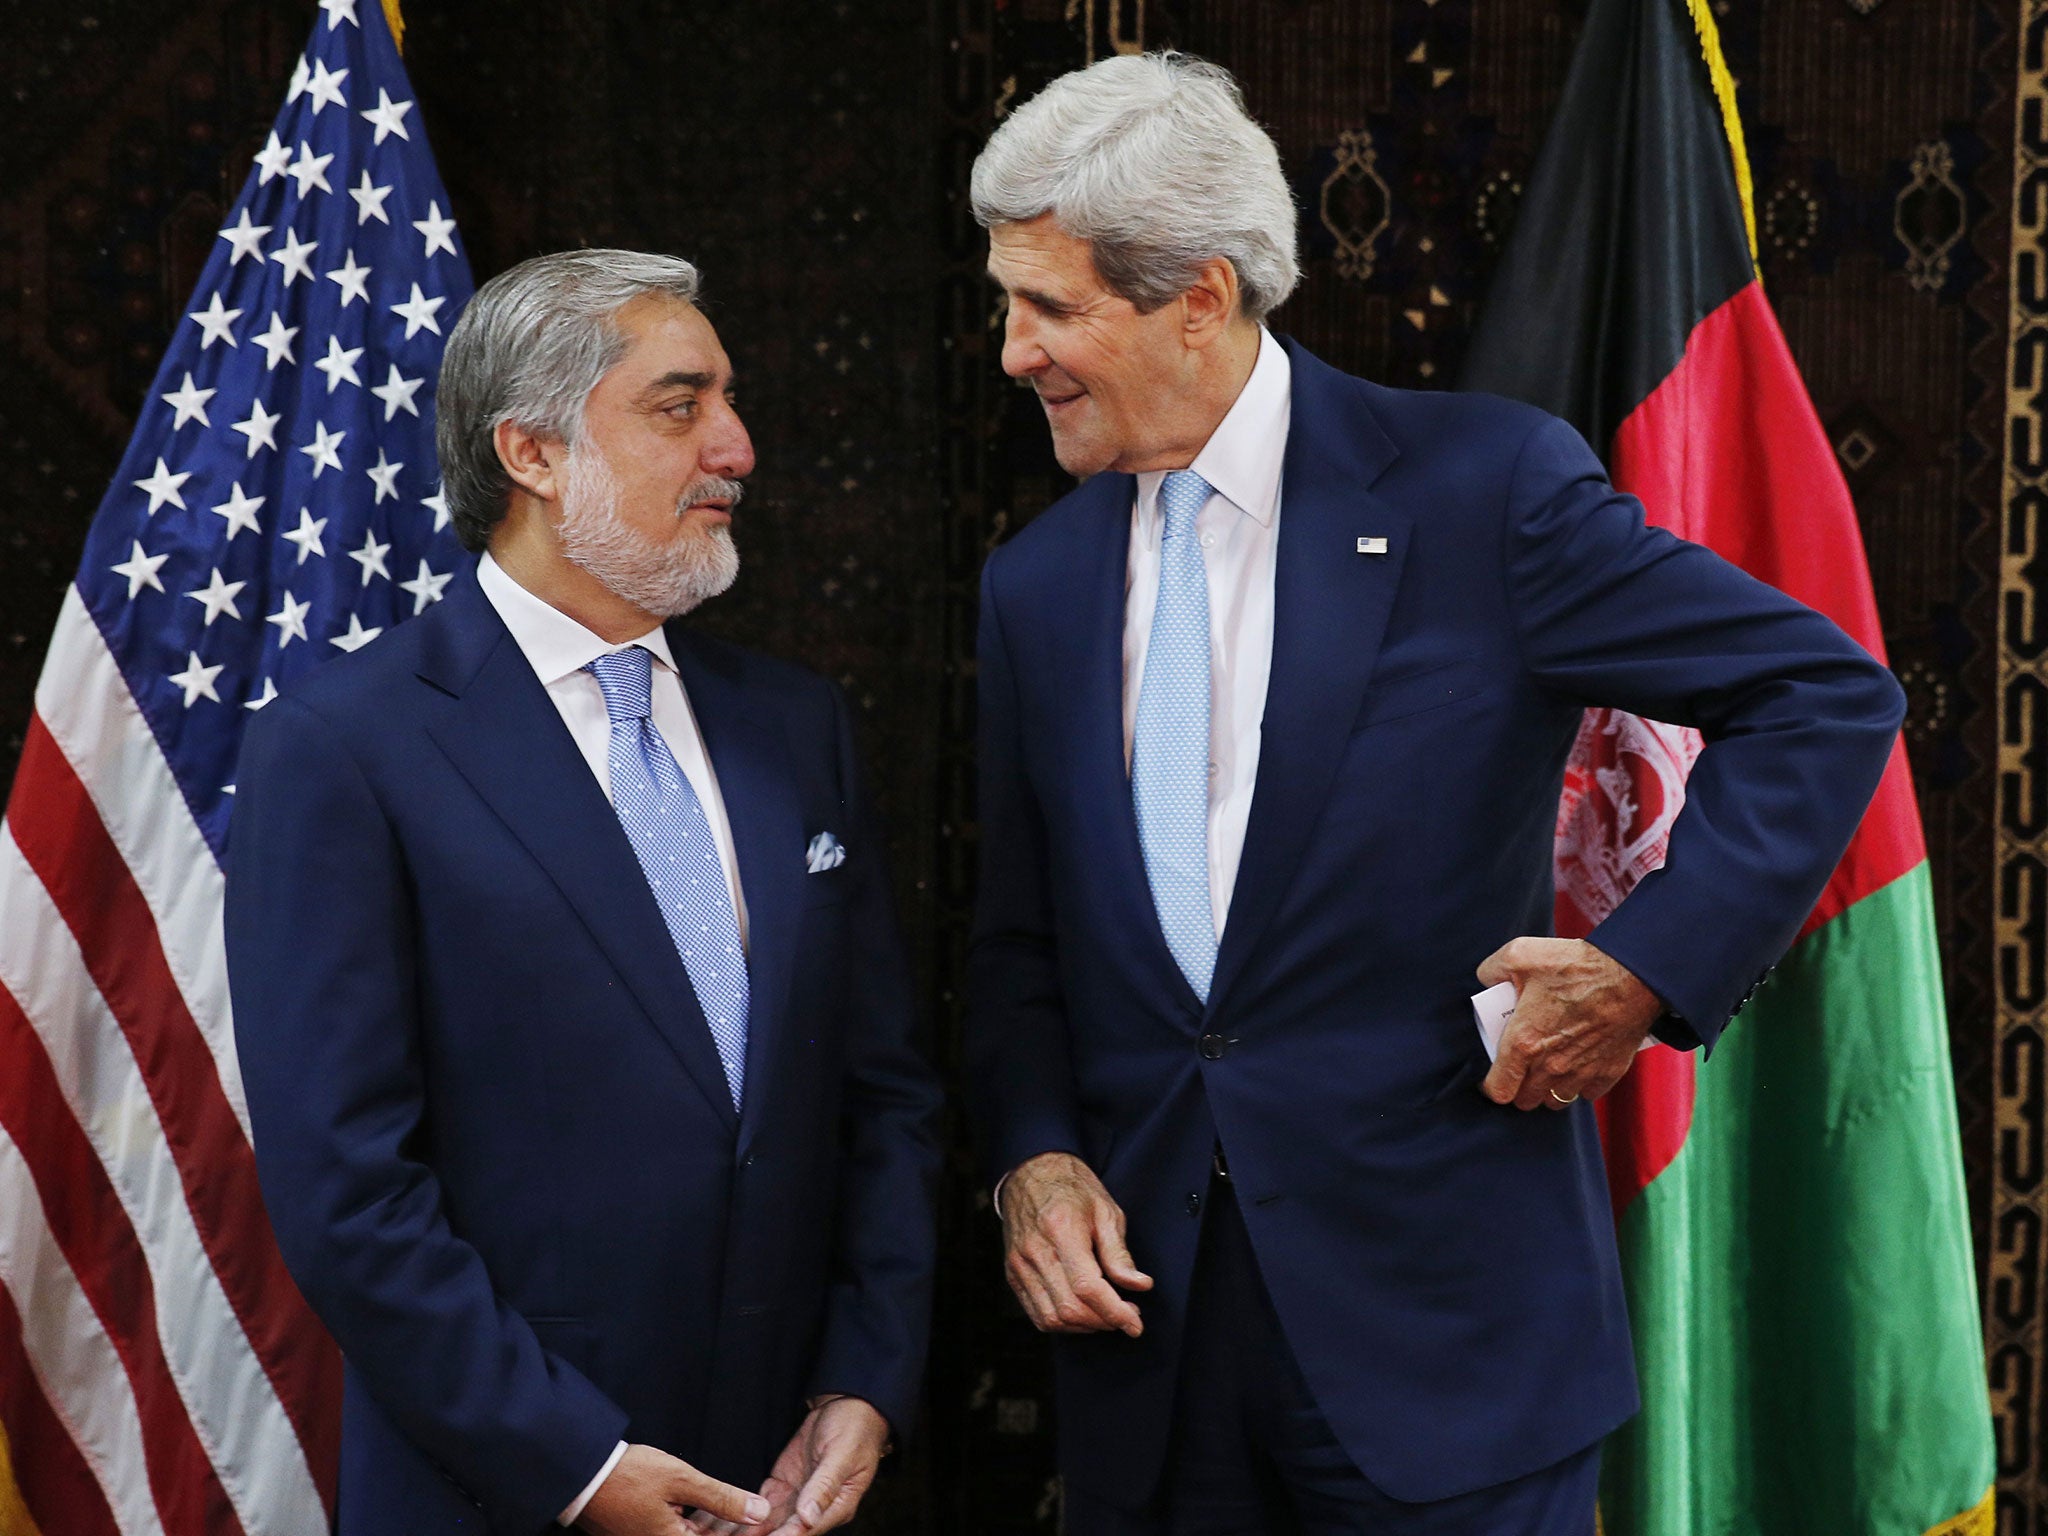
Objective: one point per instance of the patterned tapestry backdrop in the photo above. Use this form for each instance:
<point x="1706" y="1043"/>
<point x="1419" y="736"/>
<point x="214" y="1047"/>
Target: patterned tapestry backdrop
<point x="812" y="156"/>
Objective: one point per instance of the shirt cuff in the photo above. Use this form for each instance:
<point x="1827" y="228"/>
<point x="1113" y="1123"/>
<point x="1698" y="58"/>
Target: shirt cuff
<point x="574" y="1512"/>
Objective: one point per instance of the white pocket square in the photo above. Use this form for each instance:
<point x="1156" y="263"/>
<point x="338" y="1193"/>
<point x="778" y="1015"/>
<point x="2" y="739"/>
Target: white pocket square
<point x="826" y="852"/>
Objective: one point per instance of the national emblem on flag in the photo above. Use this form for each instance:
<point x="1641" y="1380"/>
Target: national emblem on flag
<point x="278" y="505"/>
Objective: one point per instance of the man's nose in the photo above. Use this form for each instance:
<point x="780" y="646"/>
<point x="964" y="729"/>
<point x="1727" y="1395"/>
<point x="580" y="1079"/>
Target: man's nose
<point x="1022" y="355"/>
<point x="730" y="451"/>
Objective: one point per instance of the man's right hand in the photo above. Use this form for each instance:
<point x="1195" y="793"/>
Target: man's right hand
<point x="1065" y="1255"/>
<point x="649" y="1491"/>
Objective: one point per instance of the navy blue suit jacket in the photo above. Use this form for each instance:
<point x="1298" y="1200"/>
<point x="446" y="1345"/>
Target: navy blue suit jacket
<point x="491" y="1124"/>
<point x="1445" y="1268"/>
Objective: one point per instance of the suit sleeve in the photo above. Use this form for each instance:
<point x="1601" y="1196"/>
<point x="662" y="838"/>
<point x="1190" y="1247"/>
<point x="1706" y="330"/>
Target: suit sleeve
<point x="1018" y="1063"/>
<point x="878" y="1307"/>
<point x="320" y="942"/>
<point x="1798" y="720"/>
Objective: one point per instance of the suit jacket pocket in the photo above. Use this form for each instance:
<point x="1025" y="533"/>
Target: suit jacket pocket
<point x="827" y="887"/>
<point x="1426" y="688"/>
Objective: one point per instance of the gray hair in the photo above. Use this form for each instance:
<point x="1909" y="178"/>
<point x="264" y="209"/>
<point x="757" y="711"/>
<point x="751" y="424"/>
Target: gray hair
<point x="1153" y="161"/>
<point x="529" y="349"/>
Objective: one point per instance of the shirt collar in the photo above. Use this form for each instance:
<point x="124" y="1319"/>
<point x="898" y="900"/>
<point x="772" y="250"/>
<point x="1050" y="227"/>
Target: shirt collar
<point x="1243" y="457"/>
<point x="554" y="644"/>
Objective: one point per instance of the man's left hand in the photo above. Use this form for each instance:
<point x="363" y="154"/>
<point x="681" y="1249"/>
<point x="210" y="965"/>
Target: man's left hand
<point x="819" y="1478"/>
<point x="1580" y="1014"/>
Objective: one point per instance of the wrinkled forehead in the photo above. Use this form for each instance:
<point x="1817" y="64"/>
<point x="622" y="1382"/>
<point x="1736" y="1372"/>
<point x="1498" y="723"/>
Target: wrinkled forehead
<point x="669" y="345"/>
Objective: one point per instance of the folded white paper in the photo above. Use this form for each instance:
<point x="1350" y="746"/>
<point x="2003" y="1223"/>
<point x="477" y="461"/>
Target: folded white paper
<point x="1493" y="1008"/>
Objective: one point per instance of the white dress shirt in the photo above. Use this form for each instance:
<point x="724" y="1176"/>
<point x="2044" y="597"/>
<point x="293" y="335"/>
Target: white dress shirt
<point x="558" y="648"/>
<point x="1239" y="527"/>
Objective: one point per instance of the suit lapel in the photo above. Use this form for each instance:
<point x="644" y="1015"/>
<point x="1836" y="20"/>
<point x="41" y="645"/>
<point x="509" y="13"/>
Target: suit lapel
<point x="751" y="760"/>
<point x="1330" y="609"/>
<point x="1090" y="648"/>
<point x="507" y="739"/>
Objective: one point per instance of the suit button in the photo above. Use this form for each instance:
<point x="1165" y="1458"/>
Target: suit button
<point x="1194" y="1205"/>
<point x="1212" y="1047"/>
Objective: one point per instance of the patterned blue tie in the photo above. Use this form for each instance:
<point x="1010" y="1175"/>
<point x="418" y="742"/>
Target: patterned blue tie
<point x="665" y="822"/>
<point x="1170" y="744"/>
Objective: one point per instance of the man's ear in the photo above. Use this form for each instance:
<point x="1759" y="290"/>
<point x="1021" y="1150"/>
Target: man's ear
<point x="536" y="463"/>
<point x="1210" y="302"/>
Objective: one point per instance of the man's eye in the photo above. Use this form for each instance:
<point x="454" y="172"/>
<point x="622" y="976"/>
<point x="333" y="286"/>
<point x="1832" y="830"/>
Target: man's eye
<point x="683" y="408"/>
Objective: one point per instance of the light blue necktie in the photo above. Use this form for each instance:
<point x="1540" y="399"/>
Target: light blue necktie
<point x="665" y="822"/>
<point x="1170" y="743"/>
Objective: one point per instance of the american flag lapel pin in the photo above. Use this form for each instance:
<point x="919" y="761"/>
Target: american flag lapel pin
<point x="1370" y="545"/>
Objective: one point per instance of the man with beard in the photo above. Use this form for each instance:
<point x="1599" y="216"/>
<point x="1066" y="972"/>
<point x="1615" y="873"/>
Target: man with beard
<point x="570" y="1006"/>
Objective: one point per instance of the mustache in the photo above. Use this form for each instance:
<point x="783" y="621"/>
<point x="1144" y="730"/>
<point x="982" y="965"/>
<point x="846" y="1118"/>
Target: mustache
<point x="710" y="488"/>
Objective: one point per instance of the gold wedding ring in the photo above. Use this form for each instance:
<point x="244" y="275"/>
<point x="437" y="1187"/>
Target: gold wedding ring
<point x="1563" y="1100"/>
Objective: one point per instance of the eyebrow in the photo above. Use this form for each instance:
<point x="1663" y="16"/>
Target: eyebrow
<point x="1036" y="297"/>
<point x="679" y="380"/>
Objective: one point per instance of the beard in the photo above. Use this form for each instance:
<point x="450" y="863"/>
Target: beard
<point x="665" y="578"/>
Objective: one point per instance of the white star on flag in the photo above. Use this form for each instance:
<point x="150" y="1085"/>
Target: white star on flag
<point x="371" y="556"/>
<point x="425" y="587"/>
<point x="240" y="510"/>
<point x="260" y="428"/>
<point x="353" y="280"/>
<point x="296" y="257"/>
<point x="339" y="363"/>
<point x="396" y="392"/>
<point x="290" y="620"/>
<point x="310" y="170"/>
<point x="418" y="311"/>
<point x="369" y="200"/>
<point x="440" y="232"/>
<point x="273" y="159"/>
<point x="276" y="342"/>
<point x="307" y="536"/>
<point x="339" y="11"/>
<point x="357" y="636"/>
<point x="189" y="402"/>
<point x="300" y="73"/>
<point x="269" y="692"/>
<point x="438" y="505"/>
<point x="163" y="486"/>
<point x="325" y="86"/>
<point x="140" y="570"/>
<point x="216" y="322"/>
<point x="388" y="116"/>
<point x="384" y="475"/>
<point x="243" y="236"/>
<point x="219" y="597"/>
<point x="197" y="680"/>
<point x="324" y="450"/>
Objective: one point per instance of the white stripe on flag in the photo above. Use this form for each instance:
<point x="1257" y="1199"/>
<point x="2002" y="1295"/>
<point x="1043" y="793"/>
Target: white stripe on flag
<point x="235" y="1412"/>
<point x="70" y="1354"/>
<point x="85" y="703"/>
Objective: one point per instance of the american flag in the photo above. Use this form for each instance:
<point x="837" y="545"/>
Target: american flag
<point x="278" y="505"/>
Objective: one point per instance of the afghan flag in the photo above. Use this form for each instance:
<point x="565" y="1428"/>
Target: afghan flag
<point x="1791" y="1212"/>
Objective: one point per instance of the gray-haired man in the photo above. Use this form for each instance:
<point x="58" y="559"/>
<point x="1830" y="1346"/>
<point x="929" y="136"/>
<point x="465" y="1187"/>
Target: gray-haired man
<point x="1275" y="708"/>
<point x="569" y="1001"/>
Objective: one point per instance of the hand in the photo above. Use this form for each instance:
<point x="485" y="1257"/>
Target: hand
<point x="1579" y="1017"/>
<point x="649" y="1490"/>
<point x="1065" y="1256"/>
<point x="819" y="1478"/>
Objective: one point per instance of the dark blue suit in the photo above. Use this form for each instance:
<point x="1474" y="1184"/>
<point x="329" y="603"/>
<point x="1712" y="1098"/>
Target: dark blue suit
<point x="494" y="1136"/>
<point x="1443" y="1267"/>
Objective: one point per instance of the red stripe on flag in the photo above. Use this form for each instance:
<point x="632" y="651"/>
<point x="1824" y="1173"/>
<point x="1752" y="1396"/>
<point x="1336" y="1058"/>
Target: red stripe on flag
<point x="98" y="1241"/>
<point x="1727" y="452"/>
<point x="61" y="835"/>
<point x="55" y="1482"/>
